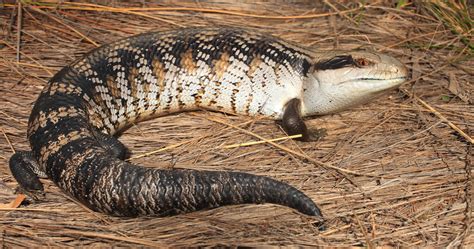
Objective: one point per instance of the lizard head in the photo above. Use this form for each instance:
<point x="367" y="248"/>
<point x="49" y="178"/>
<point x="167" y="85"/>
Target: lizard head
<point x="346" y="79"/>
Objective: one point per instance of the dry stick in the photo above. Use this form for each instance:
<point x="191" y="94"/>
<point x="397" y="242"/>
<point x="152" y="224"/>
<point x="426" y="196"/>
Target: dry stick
<point x="411" y="39"/>
<point x="426" y="17"/>
<point x="67" y="26"/>
<point x="8" y="141"/>
<point x="33" y="65"/>
<point x="260" y="142"/>
<point x="43" y="210"/>
<point x="335" y="230"/>
<point x="372" y="221"/>
<point x="341" y="13"/>
<point x="225" y="12"/>
<point x="376" y="126"/>
<point x="467" y="192"/>
<point x="151" y="17"/>
<point x="400" y="140"/>
<point x="370" y="244"/>
<point x="460" y="238"/>
<point x="343" y="172"/>
<point x="118" y="10"/>
<point x="49" y="210"/>
<point x="13" y="118"/>
<point x="18" y="200"/>
<point x="94" y="7"/>
<point x="98" y="215"/>
<point x="396" y="205"/>
<point x="22" y="73"/>
<point x="45" y="43"/>
<point x="351" y="139"/>
<point x="29" y="57"/>
<point x="440" y="116"/>
<point x="174" y="145"/>
<point x="117" y="238"/>
<point x="52" y="27"/>
<point x="18" y="31"/>
<point x="9" y="28"/>
<point x="162" y="149"/>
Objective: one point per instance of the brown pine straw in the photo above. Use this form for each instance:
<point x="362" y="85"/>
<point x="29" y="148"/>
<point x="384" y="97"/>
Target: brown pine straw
<point x="396" y="172"/>
<point x="440" y="116"/>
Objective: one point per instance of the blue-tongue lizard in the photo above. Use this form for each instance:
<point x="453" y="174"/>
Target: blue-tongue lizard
<point x="72" y="125"/>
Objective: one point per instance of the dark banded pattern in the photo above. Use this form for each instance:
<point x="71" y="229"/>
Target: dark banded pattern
<point x="147" y="76"/>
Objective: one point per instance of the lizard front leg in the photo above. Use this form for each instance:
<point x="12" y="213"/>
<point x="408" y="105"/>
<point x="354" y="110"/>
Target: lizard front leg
<point x="293" y="123"/>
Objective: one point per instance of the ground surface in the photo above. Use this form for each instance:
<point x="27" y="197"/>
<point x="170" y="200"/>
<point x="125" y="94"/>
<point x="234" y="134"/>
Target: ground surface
<point x="413" y="186"/>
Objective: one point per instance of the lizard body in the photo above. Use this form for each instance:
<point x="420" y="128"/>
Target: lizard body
<point x="72" y="125"/>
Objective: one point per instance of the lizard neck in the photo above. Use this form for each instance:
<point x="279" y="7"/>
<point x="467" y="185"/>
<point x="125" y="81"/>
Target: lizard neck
<point x="318" y="99"/>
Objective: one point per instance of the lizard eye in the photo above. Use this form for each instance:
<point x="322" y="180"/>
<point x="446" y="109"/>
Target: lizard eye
<point x="362" y="62"/>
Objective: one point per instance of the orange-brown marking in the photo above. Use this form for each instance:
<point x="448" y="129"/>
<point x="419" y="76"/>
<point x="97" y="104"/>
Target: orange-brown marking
<point x="133" y="80"/>
<point x="113" y="87"/>
<point x="61" y="140"/>
<point x="198" y="96"/>
<point x="40" y="121"/>
<point x="63" y="88"/>
<point x="96" y="110"/>
<point x="146" y="90"/>
<point x="221" y="65"/>
<point x="159" y="71"/>
<point x="187" y="61"/>
<point x="254" y="65"/>
<point x="97" y="101"/>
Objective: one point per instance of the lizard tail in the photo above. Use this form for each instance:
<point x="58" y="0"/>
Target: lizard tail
<point x="122" y="189"/>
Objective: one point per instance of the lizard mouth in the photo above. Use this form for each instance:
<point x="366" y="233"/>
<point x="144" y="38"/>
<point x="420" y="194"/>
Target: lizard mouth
<point x="401" y="78"/>
<point x="389" y="82"/>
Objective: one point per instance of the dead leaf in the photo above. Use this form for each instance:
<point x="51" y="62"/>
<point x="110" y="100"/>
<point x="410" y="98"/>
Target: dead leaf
<point x="456" y="89"/>
<point x="15" y="203"/>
